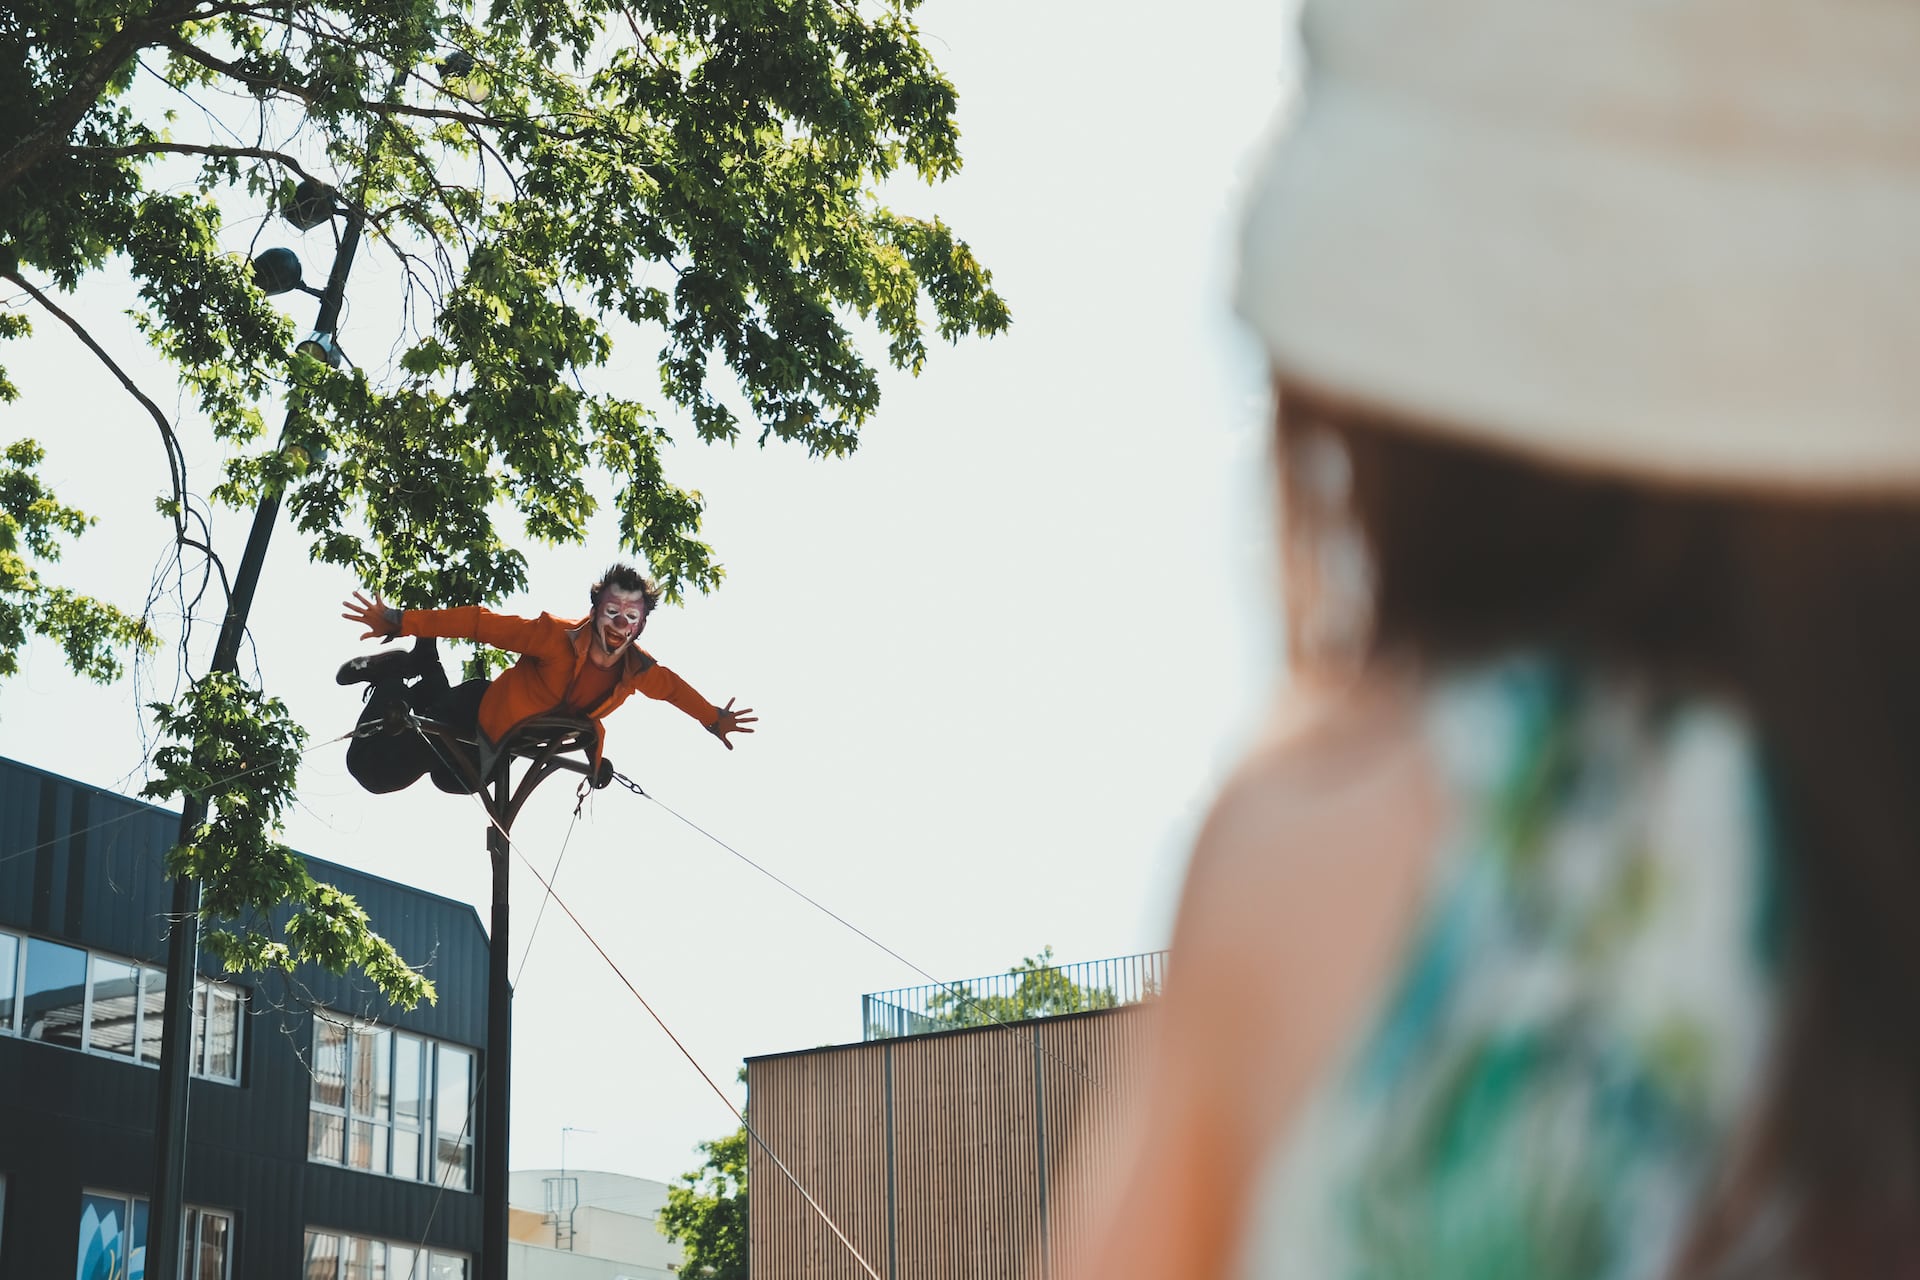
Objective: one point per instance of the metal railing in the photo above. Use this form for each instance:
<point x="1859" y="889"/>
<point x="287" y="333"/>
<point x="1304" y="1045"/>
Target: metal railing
<point x="1033" y="989"/>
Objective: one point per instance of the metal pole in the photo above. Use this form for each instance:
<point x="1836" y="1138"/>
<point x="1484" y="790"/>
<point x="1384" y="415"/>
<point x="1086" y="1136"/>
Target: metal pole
<point x="493" y="1178"/>
<point x="183" y="940"/>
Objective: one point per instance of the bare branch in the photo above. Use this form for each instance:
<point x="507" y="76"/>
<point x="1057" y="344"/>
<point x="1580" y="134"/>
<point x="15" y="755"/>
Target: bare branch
<point x="190" y="149"/>
<point x="176" y="466"/>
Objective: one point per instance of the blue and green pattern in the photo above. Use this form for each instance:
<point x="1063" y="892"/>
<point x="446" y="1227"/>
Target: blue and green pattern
<point x="1579" y="1020"/>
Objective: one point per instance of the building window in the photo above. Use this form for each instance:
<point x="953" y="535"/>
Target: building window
<point x="208" y="1241"/>
<point x="113" y="1240"/>
<point x="105" y="1004"/>
<point x="53" y="994"/>
<point x="387" y="1102"/>
<point x="453" y="1112"/>
<point x="113" y="1006"/>
<point x="334" y="1256"/>
<point x="216" y="1031"/>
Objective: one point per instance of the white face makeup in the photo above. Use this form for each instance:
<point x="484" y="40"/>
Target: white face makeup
<point x="617" y="618"/>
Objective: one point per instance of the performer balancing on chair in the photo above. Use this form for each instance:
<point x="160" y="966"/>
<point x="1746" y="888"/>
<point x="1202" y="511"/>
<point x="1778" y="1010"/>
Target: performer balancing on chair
<point x="583" y="667"/>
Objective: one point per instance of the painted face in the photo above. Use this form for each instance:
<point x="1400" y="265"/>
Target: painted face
<point x="617" y="618"/>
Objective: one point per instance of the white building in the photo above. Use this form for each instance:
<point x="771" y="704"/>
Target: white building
<point x="579" y="1224"/>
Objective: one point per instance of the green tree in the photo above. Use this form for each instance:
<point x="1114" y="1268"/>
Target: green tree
<point x="1040" y="990"/>
<point x="706" y="1214"/>
<point x="556" y="176"/>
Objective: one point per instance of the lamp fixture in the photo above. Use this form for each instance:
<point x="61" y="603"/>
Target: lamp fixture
<point x="278" y="271"/>
<point x="321" y="346"/>
<point x="312" y="204"/>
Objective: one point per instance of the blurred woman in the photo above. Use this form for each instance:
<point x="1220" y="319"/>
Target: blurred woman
<point x="1566" y="920"/>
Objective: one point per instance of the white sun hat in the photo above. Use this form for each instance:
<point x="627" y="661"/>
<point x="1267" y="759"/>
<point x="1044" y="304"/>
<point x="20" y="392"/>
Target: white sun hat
<point x="1672" y="238"/>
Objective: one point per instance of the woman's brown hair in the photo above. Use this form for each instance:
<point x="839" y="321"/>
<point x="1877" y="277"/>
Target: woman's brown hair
<point x="1806" y="614"/>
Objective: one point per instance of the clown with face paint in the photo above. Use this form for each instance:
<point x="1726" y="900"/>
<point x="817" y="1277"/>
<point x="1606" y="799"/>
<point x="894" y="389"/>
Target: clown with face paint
<point x="582" y="667"/>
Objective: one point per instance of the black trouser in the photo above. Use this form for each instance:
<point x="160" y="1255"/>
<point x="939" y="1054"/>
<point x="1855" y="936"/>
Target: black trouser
<point x="394" y="757"/>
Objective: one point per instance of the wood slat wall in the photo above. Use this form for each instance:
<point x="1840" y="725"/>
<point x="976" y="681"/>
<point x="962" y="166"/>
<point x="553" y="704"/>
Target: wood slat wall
<point x="965" y="1154"/>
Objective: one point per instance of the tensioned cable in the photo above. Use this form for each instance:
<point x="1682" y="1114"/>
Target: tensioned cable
<point x="725" y="1101"/>
<point x="952" y="989"/>
<point x="548" y="896"/>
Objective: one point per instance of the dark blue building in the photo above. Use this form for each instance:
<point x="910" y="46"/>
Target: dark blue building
<point x="330" y="1135"/>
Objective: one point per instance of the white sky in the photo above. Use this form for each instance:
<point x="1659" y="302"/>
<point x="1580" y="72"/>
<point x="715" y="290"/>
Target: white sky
<point x="1001" y="656"/>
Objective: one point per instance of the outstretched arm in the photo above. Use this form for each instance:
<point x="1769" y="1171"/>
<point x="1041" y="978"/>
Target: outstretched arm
<point x="376" y="615"/>
<point x="731" y="721"/>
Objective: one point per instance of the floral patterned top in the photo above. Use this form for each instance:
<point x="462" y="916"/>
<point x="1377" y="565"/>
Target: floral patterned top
<point x="1581" y="1016"/>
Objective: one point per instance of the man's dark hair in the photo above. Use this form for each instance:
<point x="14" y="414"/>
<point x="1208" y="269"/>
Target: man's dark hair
<point x="624" y="577"/>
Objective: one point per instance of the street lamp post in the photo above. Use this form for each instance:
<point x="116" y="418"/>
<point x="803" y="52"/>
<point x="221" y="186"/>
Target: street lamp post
<point x="183" y="942"/>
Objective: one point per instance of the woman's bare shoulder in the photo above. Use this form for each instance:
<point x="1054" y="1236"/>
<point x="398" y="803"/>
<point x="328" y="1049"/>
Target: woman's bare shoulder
<point x="1305" y="882"/>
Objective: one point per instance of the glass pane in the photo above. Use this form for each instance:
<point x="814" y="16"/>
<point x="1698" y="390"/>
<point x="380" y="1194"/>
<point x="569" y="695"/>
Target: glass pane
<point x="105" y="1238"/>
<point x="453" y="1078"/>
<point x="153" y="1012"/>
<point x="363" y="1150"/>
<point x="137" y="1256"/>
<point x="359" y="1258"/>
<point x="453" y="1098"/>
<point x="401" y="1261"/>
<point x="116" y="1006"/>
<point x="326" y="1137"/>
<point x="446" y="1266"/>
<point x="406" y="1154"/>
<point x="222" y="1058"/>
<point x="329" y="1063"/>
<point x="365" y="1059"/>
<point x="215" y="1231"/>
<point x="323" y="1256"/>
<point x="382" y="1101"/>
<point x="450" y="1164"/>
<point x="199" y="1040"/>
<point x="55" y="994"/>
<point x="408" y="1057"/>
<point x="9" y="978"/>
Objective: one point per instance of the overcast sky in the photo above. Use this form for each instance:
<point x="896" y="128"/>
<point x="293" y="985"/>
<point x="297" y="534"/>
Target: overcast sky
<point x="1001" y="656"/>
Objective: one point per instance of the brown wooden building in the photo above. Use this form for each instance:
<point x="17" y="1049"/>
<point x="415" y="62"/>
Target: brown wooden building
<point x="951" y="1155"/>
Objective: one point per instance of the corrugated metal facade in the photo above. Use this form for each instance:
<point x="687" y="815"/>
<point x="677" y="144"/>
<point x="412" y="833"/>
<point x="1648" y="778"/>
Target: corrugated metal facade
<point x="83" y="866"/>
<point x="950" y="1156"/>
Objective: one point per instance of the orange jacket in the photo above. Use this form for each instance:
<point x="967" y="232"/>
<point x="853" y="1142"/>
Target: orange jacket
<point x="553" y="652"/>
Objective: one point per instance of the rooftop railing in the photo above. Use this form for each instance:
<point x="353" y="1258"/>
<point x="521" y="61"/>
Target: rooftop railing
<point x="1033" y="989"/>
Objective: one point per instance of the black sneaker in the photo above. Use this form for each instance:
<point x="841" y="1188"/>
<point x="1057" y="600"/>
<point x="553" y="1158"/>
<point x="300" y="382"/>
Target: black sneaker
<point x="373" y="667"/>
<point x="388" y="663"/>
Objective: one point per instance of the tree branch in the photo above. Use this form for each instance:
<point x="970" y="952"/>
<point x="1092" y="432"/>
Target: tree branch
<point x="80" y="98"/>
<point x="190" y="149"/>
<point x="194" y="53"/>
<point x="177" y="43"/>
<point x="176" y="466"/>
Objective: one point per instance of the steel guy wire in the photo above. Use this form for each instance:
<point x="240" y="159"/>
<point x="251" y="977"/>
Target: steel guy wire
<point x="725" y="1101"/>
<point x="952" y="989"/>
<point x="527" y="950"/>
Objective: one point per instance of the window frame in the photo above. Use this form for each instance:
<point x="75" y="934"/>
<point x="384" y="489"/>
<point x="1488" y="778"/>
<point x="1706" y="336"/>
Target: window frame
<point x="191" y="1218"/>
<point x="385" y="1131"/>
<point x="206" y="990"/>
<point x="424" y="1255"/>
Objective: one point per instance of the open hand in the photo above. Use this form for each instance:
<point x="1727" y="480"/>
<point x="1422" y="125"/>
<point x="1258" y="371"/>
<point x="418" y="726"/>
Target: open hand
<point x="731" y="721"/>
<point x="376" y="615"/>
